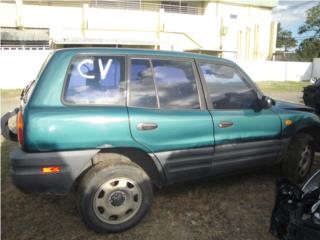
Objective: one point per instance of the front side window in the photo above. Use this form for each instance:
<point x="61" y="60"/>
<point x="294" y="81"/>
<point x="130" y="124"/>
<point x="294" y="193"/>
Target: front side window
<point x="227" y="88"/>
<point x="96" y="80"/>
<point x="176" y="84"/>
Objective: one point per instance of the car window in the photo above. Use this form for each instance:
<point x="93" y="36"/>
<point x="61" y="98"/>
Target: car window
<point x="96" y="80"/>
<point x="142" y="89"/>
<point x="227" y="88"/>
<point x="176" y="84"/>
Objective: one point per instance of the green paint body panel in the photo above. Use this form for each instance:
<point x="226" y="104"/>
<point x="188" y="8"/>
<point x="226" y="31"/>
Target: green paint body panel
<point x="248" y="126"/>
<point x="177" y="129"/>
<point x="300" y="119"/>
<point x="52" y="126"/>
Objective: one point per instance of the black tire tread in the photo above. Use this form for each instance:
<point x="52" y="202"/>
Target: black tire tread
<point x="112" y="166"/>
<point x="290" y="163"/>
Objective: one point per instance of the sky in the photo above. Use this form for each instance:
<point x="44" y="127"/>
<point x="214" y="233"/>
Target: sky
<point x="292" y="14"/>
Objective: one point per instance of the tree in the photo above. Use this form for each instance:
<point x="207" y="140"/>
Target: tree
<point x="309" y="48"/>
<point x="285" y="39"/>
<point x="312" y="23"/>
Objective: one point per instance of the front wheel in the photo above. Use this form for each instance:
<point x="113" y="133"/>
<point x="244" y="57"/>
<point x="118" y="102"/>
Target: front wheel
<point x="114" y="198"/>
<point x="299" y="158"/>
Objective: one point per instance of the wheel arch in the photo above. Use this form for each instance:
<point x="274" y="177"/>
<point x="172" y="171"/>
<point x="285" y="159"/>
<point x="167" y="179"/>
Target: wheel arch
<point x="148" y="162"/>
<point x="313" y="131"/>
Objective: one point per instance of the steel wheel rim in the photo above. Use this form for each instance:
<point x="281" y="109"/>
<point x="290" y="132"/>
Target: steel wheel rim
<point x="117" y="200"/>
<point x="305" y="161"/>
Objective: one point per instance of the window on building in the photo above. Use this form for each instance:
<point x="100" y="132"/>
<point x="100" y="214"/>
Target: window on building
<point x="227" y="88"/>
<point x="96" y="80"/>
<point x="142" y="89"/>
<point x="112" y="4"/>
<point x="184" y="7"/>
<point x="176" y="84"/>
<point x="233" y="16"/>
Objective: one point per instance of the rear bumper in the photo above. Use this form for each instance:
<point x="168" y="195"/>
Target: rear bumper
<point x="27" y="175"/>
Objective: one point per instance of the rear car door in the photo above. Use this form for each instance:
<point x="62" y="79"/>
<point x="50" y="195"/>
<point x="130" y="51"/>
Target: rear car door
<point x="245" y="135"/>
<point x="168" y="115"/>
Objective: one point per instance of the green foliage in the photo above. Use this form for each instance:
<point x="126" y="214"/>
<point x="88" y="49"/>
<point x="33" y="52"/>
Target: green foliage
<point x="312" y="23"/>
<point x="309" y="48"/>
<point x="285" y="39"/>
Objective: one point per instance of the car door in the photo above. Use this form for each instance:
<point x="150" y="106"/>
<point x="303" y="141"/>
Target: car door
<point x="168" y="115"/>
<point x="245" y="135"/>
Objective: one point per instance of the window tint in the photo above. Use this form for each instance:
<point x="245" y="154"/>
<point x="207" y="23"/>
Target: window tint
<point x="176" y="84"/>
<point x="96" y="80"/>
<point x="142" y="89"/>
<point x="227" y="89"/>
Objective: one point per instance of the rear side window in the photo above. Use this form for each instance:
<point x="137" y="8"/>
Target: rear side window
<point x="176" y="84"/>
<point x="96" y="80"/>
<point x="142" y="89"/>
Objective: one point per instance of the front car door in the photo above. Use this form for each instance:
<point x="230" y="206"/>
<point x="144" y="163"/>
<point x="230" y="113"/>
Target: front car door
<point x="245" y="136"/>
<point x="168" y="115"/>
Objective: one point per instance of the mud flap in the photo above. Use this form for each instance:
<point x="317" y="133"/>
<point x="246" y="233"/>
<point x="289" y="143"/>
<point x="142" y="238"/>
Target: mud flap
<point x="5" y="129"/>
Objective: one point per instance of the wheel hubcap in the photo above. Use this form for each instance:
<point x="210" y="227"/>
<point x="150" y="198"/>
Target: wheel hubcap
<point x="305" y="161"/>
<point x="117" y="200"/>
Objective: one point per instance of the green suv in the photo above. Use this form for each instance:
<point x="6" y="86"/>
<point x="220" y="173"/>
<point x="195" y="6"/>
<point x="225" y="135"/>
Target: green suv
<point x="114" y="123"/>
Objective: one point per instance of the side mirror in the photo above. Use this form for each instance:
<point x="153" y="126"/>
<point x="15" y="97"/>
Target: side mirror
<point x="263" y="103"/>
<point x="267" y="102"/>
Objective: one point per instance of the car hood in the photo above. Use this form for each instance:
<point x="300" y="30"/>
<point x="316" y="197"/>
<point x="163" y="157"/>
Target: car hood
<point x="293" y="106"/>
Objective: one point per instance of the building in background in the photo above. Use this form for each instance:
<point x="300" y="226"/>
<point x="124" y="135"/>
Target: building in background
<point x="235" y="29"/>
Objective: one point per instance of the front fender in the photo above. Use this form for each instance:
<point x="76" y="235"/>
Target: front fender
<point x="292" y="124"/>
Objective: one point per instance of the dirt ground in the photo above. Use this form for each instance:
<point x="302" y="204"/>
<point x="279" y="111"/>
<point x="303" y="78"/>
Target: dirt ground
<point x="236" y="207"/>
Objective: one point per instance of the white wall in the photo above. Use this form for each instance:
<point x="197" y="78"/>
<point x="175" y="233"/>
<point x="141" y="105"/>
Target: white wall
<point x="19" y="67"/>
<point x="277" y="71"/>
<point x="316" y="67"/>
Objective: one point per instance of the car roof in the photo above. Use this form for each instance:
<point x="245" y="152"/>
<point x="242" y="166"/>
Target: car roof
<point x="142" y="52"/>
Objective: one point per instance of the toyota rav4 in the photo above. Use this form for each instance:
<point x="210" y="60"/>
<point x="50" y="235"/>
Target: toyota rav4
<point x="114" y="123"/>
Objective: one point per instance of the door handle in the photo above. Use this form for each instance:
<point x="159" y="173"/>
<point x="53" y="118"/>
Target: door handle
<point x="225" y="124"/>
<point x="146" y="126"/>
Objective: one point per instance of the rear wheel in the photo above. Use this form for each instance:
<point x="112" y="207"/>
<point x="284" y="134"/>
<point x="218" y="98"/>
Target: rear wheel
<point x="114" y="198"/>
<point x="298" y="161"/>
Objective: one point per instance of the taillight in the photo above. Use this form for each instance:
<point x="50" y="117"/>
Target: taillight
<point x="20" y="127"/>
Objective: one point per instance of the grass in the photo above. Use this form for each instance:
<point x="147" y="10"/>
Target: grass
<point x="6" y="148"/>
<point x="280" y="86"/>
<point x="10" y="93"/>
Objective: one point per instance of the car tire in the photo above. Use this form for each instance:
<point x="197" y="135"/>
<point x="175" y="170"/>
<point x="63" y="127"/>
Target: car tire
<point x="299" y="158"/>
<point x="114" y="197"/>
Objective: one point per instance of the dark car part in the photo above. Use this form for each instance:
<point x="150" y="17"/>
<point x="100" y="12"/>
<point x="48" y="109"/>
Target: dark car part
<point x="299" y="158"/>
<point x="311" y="95"/>
<point x="113" y="197"/>
<point x="6" y="131"/>
<point x="296" y="215"/>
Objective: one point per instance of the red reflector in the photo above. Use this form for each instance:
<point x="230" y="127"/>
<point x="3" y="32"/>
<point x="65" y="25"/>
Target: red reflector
<point x="50" y="169"/>
<point x="20" y="127"/>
